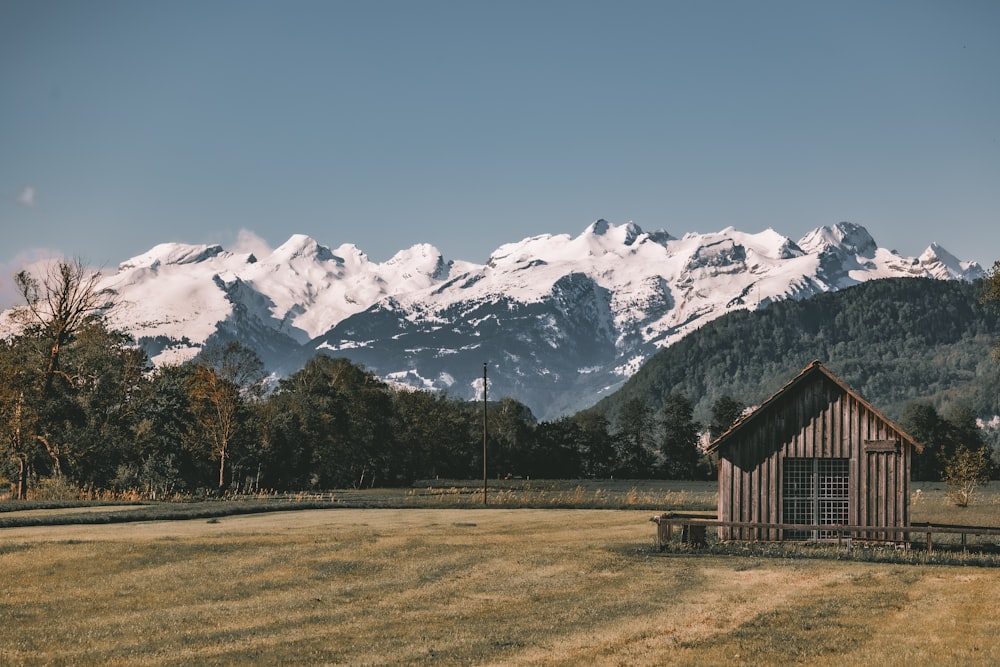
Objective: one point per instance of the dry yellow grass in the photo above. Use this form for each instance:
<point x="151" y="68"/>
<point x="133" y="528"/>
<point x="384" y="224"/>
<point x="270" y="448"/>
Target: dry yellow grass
<point x="461" y="587"/>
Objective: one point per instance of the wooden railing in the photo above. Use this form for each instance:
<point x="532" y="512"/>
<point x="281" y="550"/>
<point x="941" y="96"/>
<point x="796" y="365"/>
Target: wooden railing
<point x="964" y="531"/>
<point x="693" y="527"/>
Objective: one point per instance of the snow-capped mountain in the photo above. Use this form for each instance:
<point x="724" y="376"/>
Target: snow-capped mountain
<point x="560" y="320"/>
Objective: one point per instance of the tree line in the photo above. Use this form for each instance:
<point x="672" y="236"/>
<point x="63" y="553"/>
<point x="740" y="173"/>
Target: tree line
<point x="81" y="404"/>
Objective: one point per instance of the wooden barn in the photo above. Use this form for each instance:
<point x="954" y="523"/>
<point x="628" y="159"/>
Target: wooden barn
<point x="815" y="453"/>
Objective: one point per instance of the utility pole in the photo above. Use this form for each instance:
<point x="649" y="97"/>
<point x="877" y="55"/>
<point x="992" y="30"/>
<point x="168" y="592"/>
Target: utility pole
<point x="485" y="485"/>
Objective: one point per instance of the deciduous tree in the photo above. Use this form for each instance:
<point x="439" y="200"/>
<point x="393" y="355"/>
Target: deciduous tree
<point x="225" y="379"/>
<point x="107" y="368"/>
<point x="340" y="419"/>
<point x="57" y="304"/>
<point x="964" y="472"/>
<point x="19" y="403"/>
<point x="42" y="394"/>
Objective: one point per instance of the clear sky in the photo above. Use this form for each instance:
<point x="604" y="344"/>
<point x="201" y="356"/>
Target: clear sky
<point x="467" y="124"/>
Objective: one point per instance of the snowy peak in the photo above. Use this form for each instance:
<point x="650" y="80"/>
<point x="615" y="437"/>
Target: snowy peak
<point x="423" y="262"/>
<point x="172" y="253"/>
<point x="844" y="236"/>
<point x="598" y="228"/>
<point x="731" y="250"/>
<point x="941" y="264"/>
<point x="621" y="234"/>
<point x="770" y="243"/>
<point x="300" y="246"/>
<point x="632" y="233"/>
<point x="608" y="237"/>
<point x="848" y="254"/>
<point x="600" y="241"/>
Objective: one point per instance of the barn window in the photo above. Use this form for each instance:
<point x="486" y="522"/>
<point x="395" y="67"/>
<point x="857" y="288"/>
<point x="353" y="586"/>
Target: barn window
<point x="815" y="493"/>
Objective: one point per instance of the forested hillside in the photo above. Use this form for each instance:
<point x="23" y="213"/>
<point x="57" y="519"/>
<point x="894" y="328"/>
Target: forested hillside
<point x="82" y="412"/>
<point x="893" y="341"/>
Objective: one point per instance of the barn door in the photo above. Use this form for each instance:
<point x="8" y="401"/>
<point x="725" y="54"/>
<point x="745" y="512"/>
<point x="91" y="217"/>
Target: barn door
<point x="884" y="493"/>
<point x="815" y="492"/>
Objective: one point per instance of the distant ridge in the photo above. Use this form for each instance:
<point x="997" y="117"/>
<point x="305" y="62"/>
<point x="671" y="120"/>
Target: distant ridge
<point x="561" y="320"/>
<point x="894" y="341"/>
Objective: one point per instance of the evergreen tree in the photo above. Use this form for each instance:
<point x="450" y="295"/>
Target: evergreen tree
<point x="925" y="425"/>
<point x="555" y="452"/>
<point x="963" y="430"/>
<point x="893" y="341"/>
<point x="434" y="436"/>
<point x="597" y="450"/>
<point x="941" y="437"/>
<point x="108" y="370"/>
<point x="679" y="438"/>
<point x="725" y="412"/>
<point x="510" y="431"/>
<point x="161" y="461"/>
<point x="991" y="295"/>
<point x="635" y="437"/>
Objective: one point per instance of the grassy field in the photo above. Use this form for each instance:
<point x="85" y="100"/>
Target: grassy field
<point x="928" y="502"/>
<point x="465" y="586"/>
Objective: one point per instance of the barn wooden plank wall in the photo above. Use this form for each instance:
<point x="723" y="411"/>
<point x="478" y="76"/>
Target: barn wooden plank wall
<point x="818" y="419"/>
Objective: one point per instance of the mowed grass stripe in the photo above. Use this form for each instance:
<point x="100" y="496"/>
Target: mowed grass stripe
<point x="823" y="619"/>
<point x="451" y="587"/>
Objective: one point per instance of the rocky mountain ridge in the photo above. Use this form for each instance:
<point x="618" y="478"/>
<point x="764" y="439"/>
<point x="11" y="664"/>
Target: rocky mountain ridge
<point x="560" y="320"/>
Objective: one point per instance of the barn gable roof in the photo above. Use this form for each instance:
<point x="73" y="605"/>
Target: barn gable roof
<point x="807" y="373"/>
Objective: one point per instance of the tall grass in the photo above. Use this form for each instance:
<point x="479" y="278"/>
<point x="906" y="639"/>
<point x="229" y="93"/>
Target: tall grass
<point x="568" y="494"/>
<point x="980" y="554"/>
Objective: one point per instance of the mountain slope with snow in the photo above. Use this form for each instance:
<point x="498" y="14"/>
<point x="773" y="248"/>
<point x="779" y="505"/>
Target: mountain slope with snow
<point x="561" y="320"/>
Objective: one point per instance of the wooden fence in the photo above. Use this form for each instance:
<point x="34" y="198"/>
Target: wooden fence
<point x="693" y="526"/>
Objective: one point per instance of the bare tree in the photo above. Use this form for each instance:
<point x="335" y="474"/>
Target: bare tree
<point x="227" y="377"/>
<point x="216" y="402"/>
<point x="62" y="300"/>
<point x="58" y="303"/>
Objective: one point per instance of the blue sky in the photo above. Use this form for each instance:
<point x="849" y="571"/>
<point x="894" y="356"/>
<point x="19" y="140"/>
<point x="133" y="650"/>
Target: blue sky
<point x="469" y="124"/>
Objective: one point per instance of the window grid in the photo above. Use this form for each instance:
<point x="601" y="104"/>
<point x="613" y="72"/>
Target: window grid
<point x="815" y="492"/>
